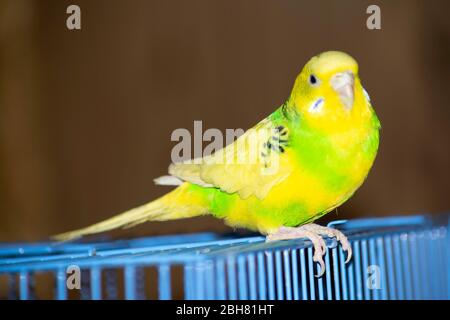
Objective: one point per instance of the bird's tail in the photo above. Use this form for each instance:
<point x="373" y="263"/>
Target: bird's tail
<point x="177" y="204"/>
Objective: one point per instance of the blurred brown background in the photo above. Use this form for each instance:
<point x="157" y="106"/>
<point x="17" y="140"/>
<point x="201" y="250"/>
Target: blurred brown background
<point x="86" y="116"/>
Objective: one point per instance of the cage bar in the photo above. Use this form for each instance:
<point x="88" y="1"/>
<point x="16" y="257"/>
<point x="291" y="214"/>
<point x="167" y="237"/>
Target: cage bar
<point x="393" y="258"/>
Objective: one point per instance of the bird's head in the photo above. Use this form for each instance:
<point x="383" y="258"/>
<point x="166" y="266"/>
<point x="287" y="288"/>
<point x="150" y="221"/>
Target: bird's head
<point x="328" y="88"/>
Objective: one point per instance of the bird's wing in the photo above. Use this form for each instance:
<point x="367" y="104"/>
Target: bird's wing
<point x="252" y="165"/>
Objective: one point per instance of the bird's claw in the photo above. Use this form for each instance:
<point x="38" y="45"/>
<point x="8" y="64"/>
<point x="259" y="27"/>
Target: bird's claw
<point x="313" y="232"/>
<point x="332" y="233"/>
<point x="317" y="257"/>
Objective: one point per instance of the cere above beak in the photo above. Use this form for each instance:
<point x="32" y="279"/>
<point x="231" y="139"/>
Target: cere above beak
<point x="343" y="84"/>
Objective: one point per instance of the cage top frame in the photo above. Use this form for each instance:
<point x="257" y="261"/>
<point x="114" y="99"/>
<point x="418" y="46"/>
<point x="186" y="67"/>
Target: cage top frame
<point x="177" y="249"/>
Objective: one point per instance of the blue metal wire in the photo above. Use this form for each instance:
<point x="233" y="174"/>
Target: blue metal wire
<point x="328" y="276"/>
<point x="287" y="274"/>
<point x="252" y="276"/>
<point x="96" y="285"/>
<point x="337" y="292"/>
<point x="351" y="279"/>
<point x="311" y="273"/>
<point x="232" y="282"/>
<point x="24" y="285"/>
<point x="242" y="278"/>
<point x="262" y="284"/>
<point x="189" y="280"/>
<point x="164" y="282"/>
<point x="221" y="280"/>
<point x="270" y="275"/>
<point x="408" y="256"/>
<point x="199" y="284"/>
<point x="357" y="261"/>
<point x="279" y="275"/>
<point x="295" y="274"/>
<point x="303" y="274"/>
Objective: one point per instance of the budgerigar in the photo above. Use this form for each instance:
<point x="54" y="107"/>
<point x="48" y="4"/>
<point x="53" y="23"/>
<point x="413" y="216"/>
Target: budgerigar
<point x="312" y="154"/>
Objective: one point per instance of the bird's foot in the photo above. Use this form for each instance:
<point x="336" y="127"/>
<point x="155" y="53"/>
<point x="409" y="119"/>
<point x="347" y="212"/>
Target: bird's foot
<point x="314" y="233"/>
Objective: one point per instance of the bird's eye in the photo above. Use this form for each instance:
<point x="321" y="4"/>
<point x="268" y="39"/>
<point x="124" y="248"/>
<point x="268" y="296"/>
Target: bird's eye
<point x="313" y="80"/>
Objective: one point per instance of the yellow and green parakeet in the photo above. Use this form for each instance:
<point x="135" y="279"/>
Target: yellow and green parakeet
<point x="312" y="154"/>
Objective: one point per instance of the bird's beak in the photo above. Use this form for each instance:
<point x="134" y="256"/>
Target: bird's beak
<point x="343" y="84"/>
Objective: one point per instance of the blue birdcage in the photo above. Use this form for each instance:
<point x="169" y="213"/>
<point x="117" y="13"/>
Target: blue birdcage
<point x="393" y="258"/>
